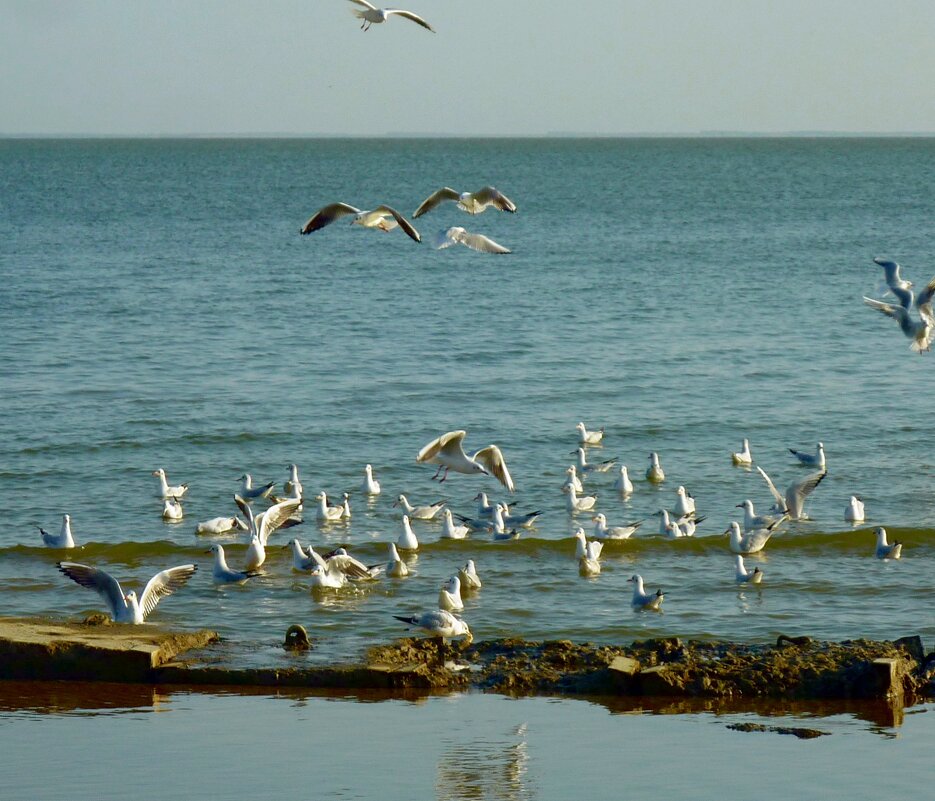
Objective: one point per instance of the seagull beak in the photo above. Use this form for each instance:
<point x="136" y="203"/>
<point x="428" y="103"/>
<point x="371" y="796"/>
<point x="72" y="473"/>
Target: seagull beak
<point x="739" y="506"/>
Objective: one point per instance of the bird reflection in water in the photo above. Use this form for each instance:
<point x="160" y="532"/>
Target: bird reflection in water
<point x="486" y="769"/>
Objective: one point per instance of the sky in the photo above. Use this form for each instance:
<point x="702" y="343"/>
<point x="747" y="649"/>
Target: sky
<point x="493" y="68"/>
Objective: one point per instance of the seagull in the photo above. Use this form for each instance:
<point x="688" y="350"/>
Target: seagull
<point x="255" y="555"/>
<point x="447" y="451"/>
<point x="743" y="458"/>
<point x="449" y="596"/>
<point x="293" y="486"/>
<point x="326" y="578"/>
<point x="476" y="524"/>
<point x="885" y="550"/>
<point x="407" y="541"/>
<point x="326" y="513"/>
<point x="456" y="235"/>
<point x="589" y="564"/>
<point x="301" y="561"/>
<point x="250" y="493"/>
<point x="439" y="623"/>
<point x="586" y="437"/>
<point x="172" y="509"/>
<point x="382" y="217"/>
<point x="346" y="507"/>
<point x="643" y="600"/>
<point x="371" y="14"/>
<point x="751" y="520"/>
<point x="352" y="567"/>
<point x="584" y="467"/>
<point x="221" y="525"/>
<point x="277" y="516"/>
<point x="572" y="481"/>
<point x="370" y="486"/>
<point x="484" y="506"/>
<point x="604" y="532"/>
<point x="685" y="505"/>
<point x="125" y="608"/>
<point x="575" y="504"/>
<point x="623" y="485"/>
<point x="64" y="538"/>
<point x="419" y="512"/>
<point x="753" y="541"/>
<point x="744" y="576"/>
<point x="469" y="578"/>
<point x="677" y="527"/>
<point x="222" y="574"/>
<point x="450" y="531"/>
<point x="396" y="567"/>
<point x="165" y="489"/>
<point x="471" y="202"/>
<point x="523" y="520"/>
<point x="793" y="502"/>
<point x="854" y="511"/>
<point x="920" y="331"/>
<point x="895" y="283"/>
<point x="816" y="459"/>
<point x="654" y="472"/>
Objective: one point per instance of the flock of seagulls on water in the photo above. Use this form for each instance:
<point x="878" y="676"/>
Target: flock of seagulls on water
<point x="337" y="569"/>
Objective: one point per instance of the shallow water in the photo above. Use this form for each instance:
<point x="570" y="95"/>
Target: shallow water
<point x="159" y="308"/>
<point x="175" y="743"/>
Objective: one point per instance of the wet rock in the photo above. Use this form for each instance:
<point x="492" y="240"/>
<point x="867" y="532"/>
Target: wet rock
<point x="912" y="646"/>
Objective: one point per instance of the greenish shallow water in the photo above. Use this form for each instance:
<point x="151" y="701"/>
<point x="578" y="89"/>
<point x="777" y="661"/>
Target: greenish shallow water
<point x="158" y="308"/>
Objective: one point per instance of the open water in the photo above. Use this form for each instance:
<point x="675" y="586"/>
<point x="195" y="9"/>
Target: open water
<point x="159" y="308"/>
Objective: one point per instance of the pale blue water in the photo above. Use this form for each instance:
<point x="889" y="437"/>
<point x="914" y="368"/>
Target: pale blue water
<point x="159" y="308"/>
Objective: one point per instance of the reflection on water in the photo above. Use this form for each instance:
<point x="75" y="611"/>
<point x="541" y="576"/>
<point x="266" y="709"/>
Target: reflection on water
<point x="486" y="769"/>
<point x="79" y="698"/>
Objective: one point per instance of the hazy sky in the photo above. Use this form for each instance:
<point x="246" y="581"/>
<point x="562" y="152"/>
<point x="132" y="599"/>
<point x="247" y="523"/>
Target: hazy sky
<point x="493" y="67"/>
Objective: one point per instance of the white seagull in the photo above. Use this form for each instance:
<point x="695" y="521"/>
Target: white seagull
<point x="371" y="14"/>
<point x="685" y="505"/>
<point x="301" y="561"/>
<point x="643" y="600"/>
<point x="920" y="331"/>
<point x="324" y="512"/>
<point x="573" y="481"/>
<point x="166" y="490"/>
<point x="222" y="574"/>
<point x="293" y="486"/>
<point x="586" y="437"/>
<point x="63" y="540"/>
<point x="450" y="531"/>
<point x="125" y="608"/>
<point x="221" y="525"/>
<point x="419" y="512"/>
<point x="575" y="504"/>
<point x="854" y="511"/>
<point x="439" y="623"/>
<point x="792" y="503"/>
<point x="456" y="235"/>
<point x="370" y="486"/>
<point x="884" y="550"/>
<point x="172" y="509"/>
<point x="255" y="555"/>
<point x="751" y="520"/>
<point x="753" y="541"/>
<point x="395" y="567"/>
<point x="623" y="485"/>
<point x="250" y="493"/>
<point x="382" y="218"/>
<point x="895" y="283"/>
<point x="407" y="541"/>
<point x="447" y="451"/>
<point x="604" y="532"/>
<point x="654" y="472"/>
<point x="469" y="579"/>
<point x="588" y="554"/>
<point x="744" y="576"/>
<point x="449" y="596"/>
<point x="743" y="458"/>
<point x="585" y="467"/>
<point x="471" y="202"/>
<point x="816" y="459"/>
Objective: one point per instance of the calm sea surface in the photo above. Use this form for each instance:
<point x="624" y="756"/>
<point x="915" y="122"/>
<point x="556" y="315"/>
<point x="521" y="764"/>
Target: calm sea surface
<point x="159" y="309"/>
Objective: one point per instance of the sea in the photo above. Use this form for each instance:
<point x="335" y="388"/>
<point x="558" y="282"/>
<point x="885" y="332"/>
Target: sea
<point x="159" y="308"/>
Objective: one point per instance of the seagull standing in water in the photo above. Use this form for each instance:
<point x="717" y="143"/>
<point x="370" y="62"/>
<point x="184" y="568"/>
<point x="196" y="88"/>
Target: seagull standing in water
<point x="125" y="608"/>
<point x="471" y="202"/>
<point x="447" y="451"/>
<point x="63" y="540"/>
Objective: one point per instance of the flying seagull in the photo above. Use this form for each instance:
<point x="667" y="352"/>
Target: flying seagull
<point x="382" y="217"/>
<point x="458" y="236"/>
<point x="371" y="14"/>
<point x="471" y="202"/>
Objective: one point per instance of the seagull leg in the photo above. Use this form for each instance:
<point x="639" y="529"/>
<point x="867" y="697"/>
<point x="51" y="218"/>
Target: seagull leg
<point x="437" y="472"/>
<point x="444" y="476"/>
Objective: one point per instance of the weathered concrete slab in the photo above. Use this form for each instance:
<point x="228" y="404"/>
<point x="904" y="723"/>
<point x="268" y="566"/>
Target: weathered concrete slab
<point x="37" y="649"/>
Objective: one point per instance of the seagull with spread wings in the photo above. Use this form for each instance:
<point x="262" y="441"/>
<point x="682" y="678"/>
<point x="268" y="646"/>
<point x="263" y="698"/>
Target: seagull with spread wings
<point x="371" y="14"/>
<point x="447" y="451"/>
<point x="383" y="218"/>
<point x="471" y="202"/>
<point x="456" y="235"/>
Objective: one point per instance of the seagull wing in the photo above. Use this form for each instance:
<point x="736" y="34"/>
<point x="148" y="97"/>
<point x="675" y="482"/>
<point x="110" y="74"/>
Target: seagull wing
<point x="780" y="500"/>
<point x="449" y="443"/>
<point x="163" y="584"/>
<point x="890" y="268"/>
<point x="411" y="232"/>
<point x="898" y="312"/>
<point x="364" y="3"/>
<point x="447" y="237"/>
<point x="328" y="214"/>
<point x="490" y="194"/>
<point x="479" y="242"/>
<point x="924" y="302"/>
<point x="492" y="458"/>
<point x="409" y="15"/>
<point x="317" y="558"/>
<point x="102" y="583"/>
<point x="797" y="493"/>
<point x="351" y="567"/>
<point x="275" y="517"/>
<point x="443" y="194"/>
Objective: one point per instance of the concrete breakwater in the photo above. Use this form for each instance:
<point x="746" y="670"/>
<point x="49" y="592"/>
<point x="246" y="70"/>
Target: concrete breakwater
<point x="793" y="668"/>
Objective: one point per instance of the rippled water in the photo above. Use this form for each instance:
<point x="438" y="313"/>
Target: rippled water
<point x="159" y="308"/>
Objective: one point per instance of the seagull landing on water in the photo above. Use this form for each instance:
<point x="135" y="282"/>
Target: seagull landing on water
<point x="920" y="331"/>
<point x="371" y="14"/>
<point x="471" y="202"/>
<point x="792" y="504"/>
<point x="447" y="451"/>
<point x="456" y="235"/>
<point x="382" y="218"/>
<point x="885" y="550"/>
<point x="125" y="608"/>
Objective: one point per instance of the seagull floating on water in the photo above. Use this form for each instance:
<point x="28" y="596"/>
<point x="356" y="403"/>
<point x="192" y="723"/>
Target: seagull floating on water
<point x="250" y="493"/>
<point x="643" y="600"/>
<point x="419" y="512"/>
<point x="587" y="554"/>
<point x="586" y="437"/>
<point x="221" y="525"/>
<point x="654" y="472"/>
<point x="604" y="532"/>
<point x="125" y="608"/>
<point x="456" y="235"/>
<point x="395" y="567"/>
<point x="447" y="451"/>
<point x="885" y="550"/>
<point x="585" y="467"/>
<point x="572" y="482"/>
<point x="854" y="511"/>
<point x="753" y="541"/>
<point x="744" y="576"/>
<point x="172" y="509"/>
<point x="623" y="485"/>
<point x="816" y="459"/>
<point x="449" y="596"/>
<point x="470" y="581"/>
<point x="751" y="520"/>
<point x="450" y="531"/>
<point x="293" y="486"/>
<point x="222" y="574"/>
<point x="371" y="14"/>
<point x="324" y="512"/>
<point x="575" y="504"/>
<point x="383" y="218"/>
<point x="63" y="539"/>
<point x="685" y="504"/>
<point x="370" y="486"/>
<point x="792" y="504"/>
<point x="743" y="458"/>
<point x="407" y="541"/>
<point x="166" y="490"/>
<point x="439" y="623"/>
<point x="471" y="202"/>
